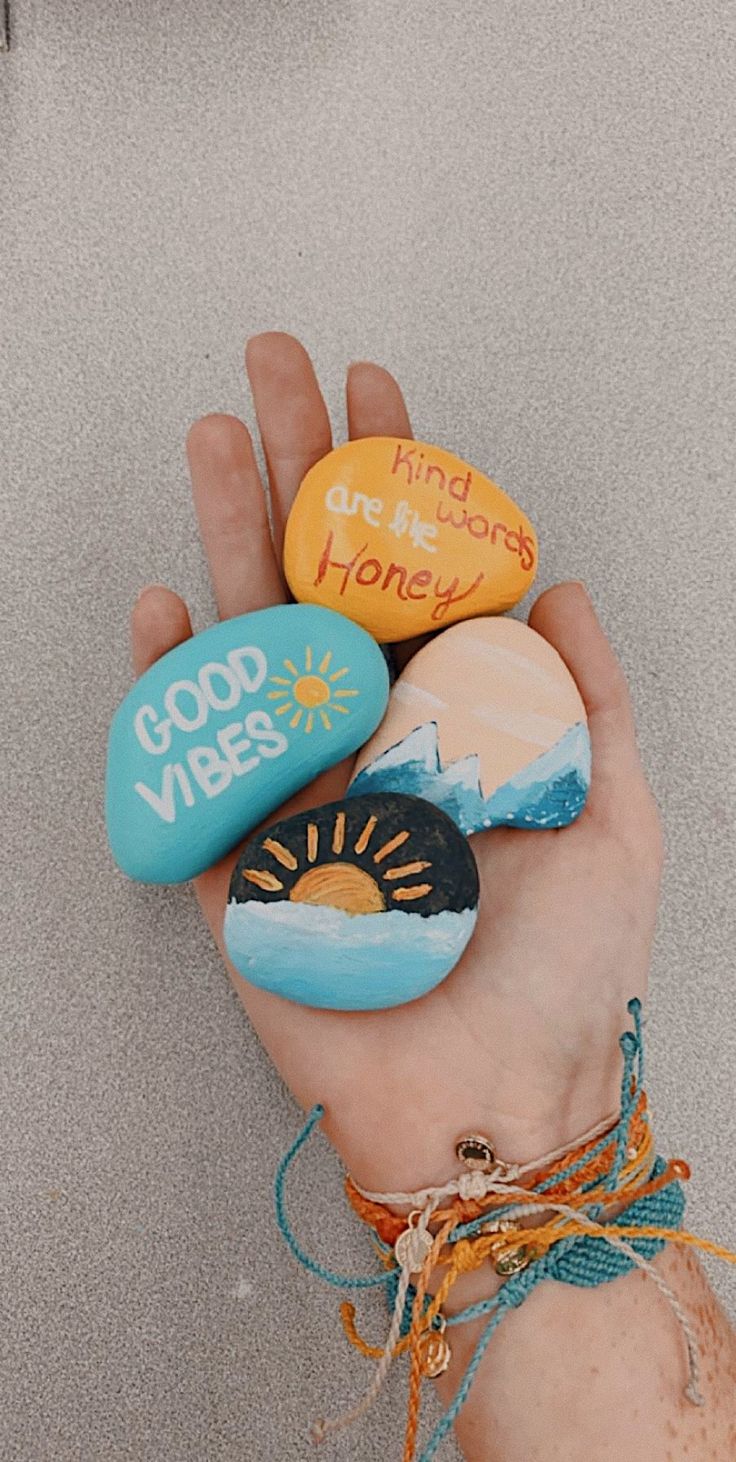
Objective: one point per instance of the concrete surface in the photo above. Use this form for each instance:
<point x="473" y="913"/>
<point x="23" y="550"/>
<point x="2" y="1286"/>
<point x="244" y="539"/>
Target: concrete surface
<point x="526" y="211"/>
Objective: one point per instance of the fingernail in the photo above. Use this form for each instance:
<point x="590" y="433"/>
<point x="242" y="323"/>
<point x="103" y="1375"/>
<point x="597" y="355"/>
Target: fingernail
<point x="144" y="592"/>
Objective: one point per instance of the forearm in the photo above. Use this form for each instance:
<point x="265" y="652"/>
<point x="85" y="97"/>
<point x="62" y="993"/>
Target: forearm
<point x="587" y="1375"/>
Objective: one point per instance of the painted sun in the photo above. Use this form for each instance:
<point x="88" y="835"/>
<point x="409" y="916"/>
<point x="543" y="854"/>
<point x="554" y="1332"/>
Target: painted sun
<point x="312" y="695"/>
<point x="339" y="882"/>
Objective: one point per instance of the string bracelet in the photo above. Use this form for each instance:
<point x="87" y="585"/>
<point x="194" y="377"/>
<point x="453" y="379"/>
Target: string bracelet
<point x="582" y="1214"/>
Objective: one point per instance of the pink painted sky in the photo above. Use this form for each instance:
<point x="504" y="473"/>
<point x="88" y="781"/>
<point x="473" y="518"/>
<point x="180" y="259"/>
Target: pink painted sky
<point x="494" y="687"/>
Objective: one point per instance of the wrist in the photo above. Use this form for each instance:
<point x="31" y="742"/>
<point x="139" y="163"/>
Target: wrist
<point x="404" y="1145"/>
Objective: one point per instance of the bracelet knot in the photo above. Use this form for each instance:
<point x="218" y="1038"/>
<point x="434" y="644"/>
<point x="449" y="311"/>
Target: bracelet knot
<point x="465" y="1259"/>
<point x="472" y="1185"/>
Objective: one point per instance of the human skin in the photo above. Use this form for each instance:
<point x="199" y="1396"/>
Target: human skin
<point x="521" y="1040"/>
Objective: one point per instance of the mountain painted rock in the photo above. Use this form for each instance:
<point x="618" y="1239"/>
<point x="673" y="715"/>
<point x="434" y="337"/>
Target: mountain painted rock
<point x="227" y="725"/>
<point x="486" y="722"/>
<point x="358" y="905"/>
<point x="404" y="537"/>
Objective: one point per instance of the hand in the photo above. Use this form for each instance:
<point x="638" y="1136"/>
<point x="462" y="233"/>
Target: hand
<point x="520" y="1041"/>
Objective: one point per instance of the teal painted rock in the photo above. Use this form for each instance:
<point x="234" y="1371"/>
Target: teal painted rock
<point x="487" y="722"/>
<point x="358" y="905"/>
<point x="219" y="732"/>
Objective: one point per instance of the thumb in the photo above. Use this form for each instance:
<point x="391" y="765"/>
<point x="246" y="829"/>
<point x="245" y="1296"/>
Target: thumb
<point x="565" y="616"/>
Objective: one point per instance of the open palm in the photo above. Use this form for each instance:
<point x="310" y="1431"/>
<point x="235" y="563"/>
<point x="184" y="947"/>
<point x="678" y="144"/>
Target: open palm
<point x="520" y="1040"/>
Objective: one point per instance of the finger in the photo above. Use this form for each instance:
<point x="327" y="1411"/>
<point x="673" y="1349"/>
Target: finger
<point x="292" y="418"/>
<point x="375" y="404"/>
<point x="159" y="621"/>
<point x="565" y="616"/>
<point x="233" y="517"/>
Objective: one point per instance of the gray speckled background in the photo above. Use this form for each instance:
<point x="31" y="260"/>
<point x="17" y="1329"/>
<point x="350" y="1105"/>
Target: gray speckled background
<point x="527" y="212"/>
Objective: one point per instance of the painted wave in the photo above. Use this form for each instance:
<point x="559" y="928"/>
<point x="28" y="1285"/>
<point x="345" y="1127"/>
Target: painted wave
<point x="549" y="792"/>
<point x="325" y="957"/>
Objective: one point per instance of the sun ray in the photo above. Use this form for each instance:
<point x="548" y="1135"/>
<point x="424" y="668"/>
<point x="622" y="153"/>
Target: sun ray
<point x="280" y="853"/>
<point x="390" y="845"/>
<point x="312" y="841"/>
<point x="407" y="868"/>
<point x="309" y="696"/>
<point x="267" y="881"/>
<point x="416" y="891"/>
<point x="365" y="836"/>
<point x="338" y="836"/>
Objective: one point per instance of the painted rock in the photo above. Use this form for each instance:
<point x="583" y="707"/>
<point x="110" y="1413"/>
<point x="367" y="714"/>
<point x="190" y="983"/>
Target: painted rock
<point x="486" y="722"/>
<point x="227" y="725"/>
<point x="359" y="905"/>
<point x="404" y="537"/>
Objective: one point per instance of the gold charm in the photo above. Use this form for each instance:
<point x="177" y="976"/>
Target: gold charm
<point x="514" y="1263"/>
<point x="476" y="1152"/>
<point x="413" y="1245"/>
<point x="434" y="1352"/>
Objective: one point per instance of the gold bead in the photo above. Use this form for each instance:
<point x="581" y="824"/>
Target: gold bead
<point x="499" y="1226"/>
<point x="434" y="1353"/>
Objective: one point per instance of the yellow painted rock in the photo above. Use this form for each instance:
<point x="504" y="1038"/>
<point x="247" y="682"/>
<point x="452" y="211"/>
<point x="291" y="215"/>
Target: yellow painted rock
<point x="404" y="537"/>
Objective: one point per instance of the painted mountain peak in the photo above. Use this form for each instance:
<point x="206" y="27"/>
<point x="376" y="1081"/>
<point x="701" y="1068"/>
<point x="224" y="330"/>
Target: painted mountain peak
<point x="548" y="792"/>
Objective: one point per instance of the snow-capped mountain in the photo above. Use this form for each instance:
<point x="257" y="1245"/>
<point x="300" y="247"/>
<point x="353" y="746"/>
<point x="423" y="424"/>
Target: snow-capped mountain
<point x="549" y="792"/>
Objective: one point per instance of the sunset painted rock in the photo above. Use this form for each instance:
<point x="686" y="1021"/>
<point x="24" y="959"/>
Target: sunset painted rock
<point x="486" y="722"/>
<point x="404" y="538"/>
<point x="226" y="726"/>
<point x="354" y="906"/>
